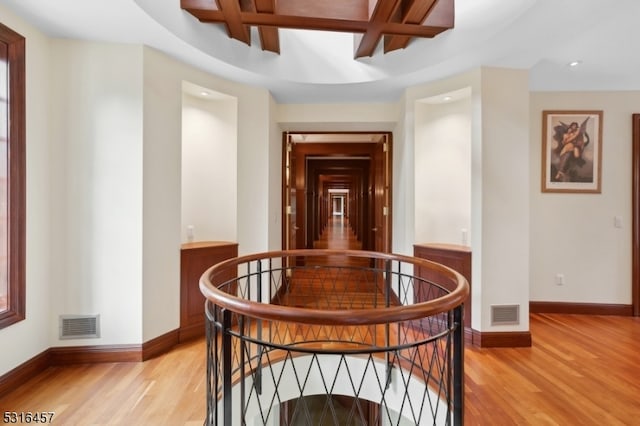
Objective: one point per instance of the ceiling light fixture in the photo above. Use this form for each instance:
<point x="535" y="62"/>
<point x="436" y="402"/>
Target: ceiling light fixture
<point x="574" y="64"/>
<point x="204" y="93"/>
<point x="446" y="98"/>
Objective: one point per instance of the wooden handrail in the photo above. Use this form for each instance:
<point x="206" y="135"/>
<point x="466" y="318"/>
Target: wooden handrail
<point x="369" y="316"/>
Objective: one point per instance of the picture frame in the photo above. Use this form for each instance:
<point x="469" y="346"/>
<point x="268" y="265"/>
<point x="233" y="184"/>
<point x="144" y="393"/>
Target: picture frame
<point x="572" y="151"/>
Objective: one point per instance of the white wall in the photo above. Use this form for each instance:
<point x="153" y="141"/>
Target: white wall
<point x="164" y="79"/>
<point x="161" y="196"/>
<point x="97" y="138"/>
<point x="30" y="337"/>
<point x="275" y="179"/>
<point x="209" y="168"/>
<point x="338" y="117"/>
<point x="443" y="171"/>
<point x="502" y="206"/>
<point x="403" y="211"/>
<point x="574" y="234"/>
<point x="499" y="111"/>
<point x="254" y="165"/>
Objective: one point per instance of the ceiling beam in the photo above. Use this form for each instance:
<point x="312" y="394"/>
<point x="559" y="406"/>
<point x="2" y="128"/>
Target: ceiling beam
<point x="381" y="15"/>
<point x="396" y="20"/>
<point x="262" y="19"/>
<point x="411" y="12"/>
<point x="233" y="20"/>
<point x="269" y="38"/>
<point x="351" y="10"/>
<point x="438" y="13"/>
<point x="198" y="5"/>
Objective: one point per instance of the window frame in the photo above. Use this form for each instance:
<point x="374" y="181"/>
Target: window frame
<point x="16" y="178"/>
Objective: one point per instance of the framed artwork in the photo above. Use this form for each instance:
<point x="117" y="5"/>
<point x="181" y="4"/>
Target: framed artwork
<point x="572" y="151"/>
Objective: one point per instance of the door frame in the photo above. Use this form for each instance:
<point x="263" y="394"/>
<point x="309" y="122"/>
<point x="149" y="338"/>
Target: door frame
<point x="293" y="189"/>
<point x="635" y="215"/>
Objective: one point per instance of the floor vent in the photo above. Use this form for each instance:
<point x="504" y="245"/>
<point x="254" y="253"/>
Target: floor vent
<point x="505" y="314"/>
<point x="79" y="326"/>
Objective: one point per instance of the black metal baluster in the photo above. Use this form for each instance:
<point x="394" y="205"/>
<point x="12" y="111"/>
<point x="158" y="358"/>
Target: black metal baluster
<point x="387" y="303"/>
<point x="258" y="378"/>
<point x="458" y="366"/>
<point x="227" y="368"/>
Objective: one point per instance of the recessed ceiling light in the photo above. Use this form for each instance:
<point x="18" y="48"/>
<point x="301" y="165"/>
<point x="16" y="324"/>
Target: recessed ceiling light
<point x="573" y="64"/>
<point x="204" y="93"/>
<point x="446" y="98"/>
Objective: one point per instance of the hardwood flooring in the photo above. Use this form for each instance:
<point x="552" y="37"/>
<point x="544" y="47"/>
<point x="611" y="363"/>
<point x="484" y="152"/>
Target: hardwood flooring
<point x="580" y="370"/>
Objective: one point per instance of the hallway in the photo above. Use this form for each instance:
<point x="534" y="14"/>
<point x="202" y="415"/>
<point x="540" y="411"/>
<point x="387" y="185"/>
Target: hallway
<point x="338" y="235"/>
<point x="347" y="283"/>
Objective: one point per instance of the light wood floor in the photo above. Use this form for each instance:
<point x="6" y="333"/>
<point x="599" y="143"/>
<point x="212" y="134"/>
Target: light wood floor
<point x="581" y="370"/>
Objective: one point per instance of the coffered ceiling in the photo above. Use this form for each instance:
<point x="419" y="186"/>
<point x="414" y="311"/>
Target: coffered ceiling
<point x="397" y="21"/>
<point x="329" y="61"/>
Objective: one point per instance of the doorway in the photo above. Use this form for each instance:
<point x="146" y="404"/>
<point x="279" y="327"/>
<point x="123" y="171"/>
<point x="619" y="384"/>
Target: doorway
<point x="325" y="410"/>
<point x="349" y="173"/>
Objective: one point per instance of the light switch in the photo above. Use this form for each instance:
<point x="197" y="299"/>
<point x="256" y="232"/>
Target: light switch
<point x="617" y="221"/>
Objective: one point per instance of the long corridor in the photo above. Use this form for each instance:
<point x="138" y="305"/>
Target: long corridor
<point x="338" y="235"/>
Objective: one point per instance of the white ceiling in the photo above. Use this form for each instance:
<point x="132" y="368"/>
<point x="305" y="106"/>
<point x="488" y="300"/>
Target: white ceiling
<point x="542" y="36"/>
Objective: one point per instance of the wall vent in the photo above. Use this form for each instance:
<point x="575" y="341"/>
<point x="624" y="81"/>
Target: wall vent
<point x="505" y="314"/>
<point x="79" y="326"/>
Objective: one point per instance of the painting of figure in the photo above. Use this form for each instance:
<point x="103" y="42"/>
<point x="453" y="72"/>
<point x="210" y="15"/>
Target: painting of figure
<point x="571" y="154"/>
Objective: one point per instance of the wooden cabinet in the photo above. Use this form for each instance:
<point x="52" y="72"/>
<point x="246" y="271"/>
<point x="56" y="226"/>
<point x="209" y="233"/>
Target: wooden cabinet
<point x="195" y="258"/>
<point x="455" y="257"/>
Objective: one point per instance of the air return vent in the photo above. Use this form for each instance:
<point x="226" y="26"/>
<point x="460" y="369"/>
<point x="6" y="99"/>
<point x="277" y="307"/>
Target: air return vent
<point x="505" y="314"/>
<point x="79" y="326"/>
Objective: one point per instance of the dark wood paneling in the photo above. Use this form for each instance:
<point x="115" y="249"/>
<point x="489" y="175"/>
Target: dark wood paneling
<point x="195" y="259"/>
<point x="455" y="257"/>
<point x="506" y="339"/>
<point x="580" y="308"/>
<point x="302" y="187"/>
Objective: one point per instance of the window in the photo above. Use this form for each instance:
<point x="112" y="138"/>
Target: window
<point x="12" y="177"/>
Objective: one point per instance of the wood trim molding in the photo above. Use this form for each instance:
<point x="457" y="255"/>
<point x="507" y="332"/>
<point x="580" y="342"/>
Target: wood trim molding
<point x="65" y="355"/>
<point x="190" y="332"/>
<point x="14" y="58"/>
<point x="635" y="216"/>
<point x="502" y="339"/>
<point x="12" y="379"/>
<point x="161" y="344"/>
<point x="580" y="308"/>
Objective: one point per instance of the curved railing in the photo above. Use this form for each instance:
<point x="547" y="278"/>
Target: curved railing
<point x="379" y="336"/>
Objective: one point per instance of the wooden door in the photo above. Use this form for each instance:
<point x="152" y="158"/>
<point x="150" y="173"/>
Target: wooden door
<point x="381" y="196"/>
<point x="290" y="226"/>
